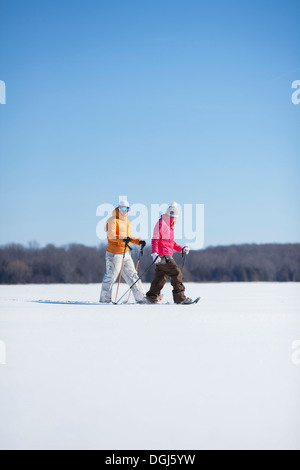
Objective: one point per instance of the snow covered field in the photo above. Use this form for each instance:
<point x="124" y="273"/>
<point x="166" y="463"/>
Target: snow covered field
<point x="217" y="375"/>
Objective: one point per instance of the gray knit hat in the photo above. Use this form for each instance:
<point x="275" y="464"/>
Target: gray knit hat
<point x="173" y="210"/>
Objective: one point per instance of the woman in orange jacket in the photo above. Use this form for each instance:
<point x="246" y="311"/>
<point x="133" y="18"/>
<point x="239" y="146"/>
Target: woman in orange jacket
<point x="118" y="228"/>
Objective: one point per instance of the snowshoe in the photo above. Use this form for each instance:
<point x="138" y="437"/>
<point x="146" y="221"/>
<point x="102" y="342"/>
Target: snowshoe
<point x="189" y="301"/>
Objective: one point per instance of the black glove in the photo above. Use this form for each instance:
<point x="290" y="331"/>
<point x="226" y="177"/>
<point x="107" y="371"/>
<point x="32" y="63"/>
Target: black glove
<point x="143" y="243"/>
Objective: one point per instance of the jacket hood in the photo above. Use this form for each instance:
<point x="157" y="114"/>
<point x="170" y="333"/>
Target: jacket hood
<point x="117" y="214"/>
<point x="167" y="218"/>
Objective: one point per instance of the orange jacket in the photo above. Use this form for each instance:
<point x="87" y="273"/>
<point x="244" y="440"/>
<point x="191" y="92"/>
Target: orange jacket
<point x="118" y="228"/>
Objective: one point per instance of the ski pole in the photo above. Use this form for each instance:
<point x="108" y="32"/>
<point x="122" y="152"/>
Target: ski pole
<point x="116" y="303"/>
<point x="183" y="263"/>
<point x="136" y="268"/>
<point x="127" y="241"/>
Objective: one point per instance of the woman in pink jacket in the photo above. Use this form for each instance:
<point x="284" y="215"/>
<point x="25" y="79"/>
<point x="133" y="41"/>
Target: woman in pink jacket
<point x="163" y="246"/>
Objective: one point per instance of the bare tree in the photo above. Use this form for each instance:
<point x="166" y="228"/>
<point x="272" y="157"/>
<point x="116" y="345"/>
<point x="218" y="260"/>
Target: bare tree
<point x="80" y="264"/>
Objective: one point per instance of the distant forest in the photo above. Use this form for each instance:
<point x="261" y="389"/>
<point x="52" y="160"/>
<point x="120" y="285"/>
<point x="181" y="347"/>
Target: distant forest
<point x="81" y="264"/>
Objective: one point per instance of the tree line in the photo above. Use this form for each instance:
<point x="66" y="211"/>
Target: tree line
<point x="79" y="264"/>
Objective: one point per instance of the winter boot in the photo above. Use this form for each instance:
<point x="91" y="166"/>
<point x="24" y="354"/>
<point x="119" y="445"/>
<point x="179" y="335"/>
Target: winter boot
<point x="144" y="301"/>
<point x="187" y="301"/>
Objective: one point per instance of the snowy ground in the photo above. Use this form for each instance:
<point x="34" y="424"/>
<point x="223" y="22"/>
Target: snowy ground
<point x="217" y="375"/>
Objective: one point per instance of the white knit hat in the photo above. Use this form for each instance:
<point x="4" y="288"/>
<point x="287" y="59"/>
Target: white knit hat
<point x="124" y="204"/>
<point x="173" y="210"/>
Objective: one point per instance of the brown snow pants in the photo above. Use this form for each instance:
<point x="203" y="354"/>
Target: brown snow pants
<point x="162" y="272"/>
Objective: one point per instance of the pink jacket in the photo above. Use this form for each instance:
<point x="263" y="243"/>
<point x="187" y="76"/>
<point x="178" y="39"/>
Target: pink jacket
<point x="163" y="237"/>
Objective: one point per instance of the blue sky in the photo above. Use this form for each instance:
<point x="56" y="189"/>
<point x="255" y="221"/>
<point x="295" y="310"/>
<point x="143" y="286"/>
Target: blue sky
<point x="162" y="100"/>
